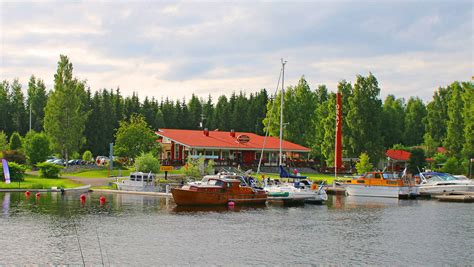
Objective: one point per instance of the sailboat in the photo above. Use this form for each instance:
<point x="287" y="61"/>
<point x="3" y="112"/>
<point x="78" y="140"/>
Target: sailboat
<point x="291" y="192"/>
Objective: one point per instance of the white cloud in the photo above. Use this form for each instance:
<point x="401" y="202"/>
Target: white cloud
<point x="175" y="49"/>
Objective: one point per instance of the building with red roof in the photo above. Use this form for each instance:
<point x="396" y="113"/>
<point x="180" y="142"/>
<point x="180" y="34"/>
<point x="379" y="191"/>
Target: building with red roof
<point x="225" y="147"/>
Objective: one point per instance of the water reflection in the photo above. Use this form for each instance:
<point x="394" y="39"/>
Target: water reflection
<point x="238" y="208"/>
<point x="145" y="230"/>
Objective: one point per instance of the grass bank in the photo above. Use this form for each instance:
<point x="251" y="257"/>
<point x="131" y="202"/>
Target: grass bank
<point x="35" y="182"/>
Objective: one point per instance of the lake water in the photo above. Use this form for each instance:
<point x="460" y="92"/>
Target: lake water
<point x="142" y="230"/>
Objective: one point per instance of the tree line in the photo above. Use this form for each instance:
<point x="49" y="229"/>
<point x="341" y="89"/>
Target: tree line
<point x="371" y="125"/>
<point x="77" y="119"/>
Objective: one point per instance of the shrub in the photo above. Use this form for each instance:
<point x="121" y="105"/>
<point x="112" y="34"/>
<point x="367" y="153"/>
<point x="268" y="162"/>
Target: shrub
<point x="198" y="167"/>
<point x="36" y="147"/>
<point x="417" y="160"/>
<point x="87" y="156"/>
<point x="452" y="166"/>
<point x="364" y="164"/>
<point x="17" y="171"/>
<point x="147" y="163"/>
<point x="15" y="141"/>
<point x="49" y="170"/>
<point x="14" y="156"/>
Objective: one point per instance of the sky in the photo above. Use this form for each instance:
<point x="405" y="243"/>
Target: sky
<point x="174" y="49"/>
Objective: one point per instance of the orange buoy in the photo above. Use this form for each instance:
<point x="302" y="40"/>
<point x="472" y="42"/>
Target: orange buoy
<point x="38" y="194"/>
<point x="102" y="200"/>
<point x="27" y="193"/>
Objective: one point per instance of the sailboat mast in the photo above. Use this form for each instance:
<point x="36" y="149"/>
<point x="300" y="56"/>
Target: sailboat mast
<point x="281" y="108"/>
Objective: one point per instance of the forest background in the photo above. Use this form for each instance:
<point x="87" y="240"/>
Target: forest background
<point x="370" y="125"/>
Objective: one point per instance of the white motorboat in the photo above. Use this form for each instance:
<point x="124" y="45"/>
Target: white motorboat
<point x="441" y="183"/>
<point x="288" y="191"/>
<point x="138" y="181"/>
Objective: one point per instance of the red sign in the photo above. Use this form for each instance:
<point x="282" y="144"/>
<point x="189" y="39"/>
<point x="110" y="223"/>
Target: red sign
<point x="243" y="138"/>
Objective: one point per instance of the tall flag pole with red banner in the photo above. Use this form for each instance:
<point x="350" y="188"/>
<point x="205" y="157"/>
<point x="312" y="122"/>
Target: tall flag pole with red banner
<point x="338" y="148"/>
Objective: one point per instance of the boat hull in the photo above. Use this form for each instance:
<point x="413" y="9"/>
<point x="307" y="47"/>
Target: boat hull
<point x="442" y="189"/>
<point x="380" y="191"/>
<point x="185" y="197"/>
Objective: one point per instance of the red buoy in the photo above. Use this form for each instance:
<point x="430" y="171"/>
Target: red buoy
<point x="38" y="194"/>
<point x="83" y="198"/>
<point x="27" y="193"/>
<point x="102" y="200"/>
<point x="231" y="204"/>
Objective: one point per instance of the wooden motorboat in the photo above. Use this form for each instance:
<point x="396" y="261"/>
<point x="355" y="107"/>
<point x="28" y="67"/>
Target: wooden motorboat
<point x="218" y="191"/>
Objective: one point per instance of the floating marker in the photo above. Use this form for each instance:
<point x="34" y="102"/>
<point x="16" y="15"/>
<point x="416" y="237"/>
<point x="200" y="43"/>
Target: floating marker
<point x="27" y="193"/>
<point x="231" y="204"/>
<point x="82" y="198"/>
<point x="102" y="200"/>
<point x="38" y="194"/>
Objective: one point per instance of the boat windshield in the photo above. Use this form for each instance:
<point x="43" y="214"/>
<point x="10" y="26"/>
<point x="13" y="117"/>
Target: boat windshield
<point x="440" y="177"/>
<point x="390" y="176"/>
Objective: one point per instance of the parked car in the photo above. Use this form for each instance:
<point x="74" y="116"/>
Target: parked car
<point x="101" y="160"/>
<point x="61" y="162"/>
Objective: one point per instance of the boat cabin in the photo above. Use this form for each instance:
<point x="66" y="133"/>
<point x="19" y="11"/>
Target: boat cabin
<point x="380" y="179"/>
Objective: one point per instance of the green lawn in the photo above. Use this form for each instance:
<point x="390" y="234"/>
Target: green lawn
<point x="35" y="182"/>
<point x="101" y="173"/>
<point x="327" y="178"/>
<point x="104" y="173"/>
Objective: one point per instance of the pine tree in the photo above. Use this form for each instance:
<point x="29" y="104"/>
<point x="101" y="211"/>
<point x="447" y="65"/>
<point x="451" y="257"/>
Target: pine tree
<point x="18" y="110"/>
<point x="37" y="98"/>
<point x="195" y="112"/>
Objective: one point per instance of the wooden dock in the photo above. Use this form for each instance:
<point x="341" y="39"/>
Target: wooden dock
<point x="455" y="198"/>
<point x="335" y="190"/>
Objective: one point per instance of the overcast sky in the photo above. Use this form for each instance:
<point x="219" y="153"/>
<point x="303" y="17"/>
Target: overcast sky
<point x="173" y="49"/>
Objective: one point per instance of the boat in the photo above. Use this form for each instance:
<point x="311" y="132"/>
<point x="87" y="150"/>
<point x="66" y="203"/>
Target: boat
<point x="218" y="191"/>
<point x="290" y="192"/>
<point x="442" y="183"/>
<point x="381" y="184"/>
<point x="138" y="181"/>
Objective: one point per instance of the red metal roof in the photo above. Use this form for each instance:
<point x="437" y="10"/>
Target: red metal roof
<point x="398" y="154"/>
<point x="220" y="139"/>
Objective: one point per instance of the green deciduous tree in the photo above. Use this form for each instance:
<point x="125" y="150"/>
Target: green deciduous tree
<point x="393" y="123"/>
<point x="468" y="115"/>
<point x="414" y="116"/>
<point x="134" y="137"/>
<point x="455" y="126"/>
<point x="36" y="147"/>
<point x="364" y="118"/>
<point x="65" y="113"/>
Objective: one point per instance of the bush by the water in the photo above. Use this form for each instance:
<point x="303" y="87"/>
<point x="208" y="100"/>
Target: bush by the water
<point x="147" y="163"/>
<point x="14" y="156"/>
<point x="49" y="170"/>
<point x="17" y="171"/>
<point x="198" y="167"/>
